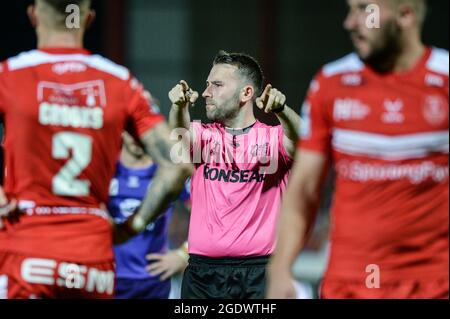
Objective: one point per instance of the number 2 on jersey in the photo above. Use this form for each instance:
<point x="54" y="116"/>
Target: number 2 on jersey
<point x="65" y="183"/>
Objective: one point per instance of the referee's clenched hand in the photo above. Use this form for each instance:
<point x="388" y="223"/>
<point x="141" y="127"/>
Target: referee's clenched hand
<point x="181" y="95"/>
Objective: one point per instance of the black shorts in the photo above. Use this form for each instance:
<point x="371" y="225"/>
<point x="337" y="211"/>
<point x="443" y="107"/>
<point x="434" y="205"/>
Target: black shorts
<point x="224" y="278"/>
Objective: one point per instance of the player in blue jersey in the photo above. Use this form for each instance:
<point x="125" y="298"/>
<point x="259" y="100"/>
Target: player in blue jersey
<point x="136" y="278"/>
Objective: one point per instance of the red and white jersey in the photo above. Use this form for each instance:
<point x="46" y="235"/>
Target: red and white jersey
<point x="387" y="137"/>
<point x="64" y="112"/>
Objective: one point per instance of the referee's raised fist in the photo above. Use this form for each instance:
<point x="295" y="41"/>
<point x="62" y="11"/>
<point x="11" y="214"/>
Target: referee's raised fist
<point x="182" y="95"/>
<point x="271" y="100"/>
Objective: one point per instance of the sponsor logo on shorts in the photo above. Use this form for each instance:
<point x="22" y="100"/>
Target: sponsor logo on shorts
<point x="42" y="211"/>
<point x="68" y="275"/>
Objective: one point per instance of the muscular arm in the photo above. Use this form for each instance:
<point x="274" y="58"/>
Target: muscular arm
<point x="290" y="122"/>
<point x="166" y="186"/>
<point x="179" y="117"/>
<point x="298" y="213"/>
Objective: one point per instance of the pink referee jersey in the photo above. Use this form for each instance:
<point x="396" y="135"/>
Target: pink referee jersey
<point x="236" y="190"/>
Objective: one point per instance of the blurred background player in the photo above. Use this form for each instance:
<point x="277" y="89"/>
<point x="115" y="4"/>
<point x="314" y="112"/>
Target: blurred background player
<point x="381" y="116"/>
<point x="64" y="112"/>
<point x="237" y="184"/>
<point x="135" y="278"/>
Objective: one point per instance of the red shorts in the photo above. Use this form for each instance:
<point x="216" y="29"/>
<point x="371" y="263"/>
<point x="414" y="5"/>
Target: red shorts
<point x="27" y="277"/>
<point x="404" y="289"/>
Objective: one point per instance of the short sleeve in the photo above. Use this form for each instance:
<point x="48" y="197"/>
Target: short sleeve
<point x="142" y="113"/>
<point x="197" y="143"/>
<point x="282" y="150"/>
<point x="197" y="129"/>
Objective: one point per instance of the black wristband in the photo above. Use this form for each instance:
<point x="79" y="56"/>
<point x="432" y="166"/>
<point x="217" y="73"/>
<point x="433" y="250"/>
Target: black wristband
<point x="279" y="110"/>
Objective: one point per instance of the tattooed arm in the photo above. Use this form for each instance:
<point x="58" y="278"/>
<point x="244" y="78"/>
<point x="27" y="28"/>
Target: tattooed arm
<point x="165" y="188"/>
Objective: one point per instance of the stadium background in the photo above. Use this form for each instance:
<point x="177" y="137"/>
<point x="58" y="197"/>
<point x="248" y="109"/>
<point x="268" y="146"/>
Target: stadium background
<point x="164" y="41"/>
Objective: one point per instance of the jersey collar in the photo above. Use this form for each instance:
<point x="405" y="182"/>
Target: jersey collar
<point x="420" y="65"/>
<point x="56" y="50"/>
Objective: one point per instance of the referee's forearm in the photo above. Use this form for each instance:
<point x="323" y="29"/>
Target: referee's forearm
<point x="165" y="188"/>
<point x="179" y="117"/>
<point x="290" y="121"/>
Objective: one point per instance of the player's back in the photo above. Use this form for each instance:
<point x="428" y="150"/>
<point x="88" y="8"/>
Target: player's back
<point x="64" y="112"/>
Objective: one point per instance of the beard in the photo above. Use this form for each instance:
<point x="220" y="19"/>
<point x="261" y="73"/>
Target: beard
<point x="385" y="48"/>
<point x="224" y="112"/>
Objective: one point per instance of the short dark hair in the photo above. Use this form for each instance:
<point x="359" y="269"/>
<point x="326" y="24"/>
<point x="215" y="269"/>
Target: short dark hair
<point x="61" y="5"/>
<point x="55" y="11"/>
<point x="247" y="66"/>
<point x="420" y="8"/>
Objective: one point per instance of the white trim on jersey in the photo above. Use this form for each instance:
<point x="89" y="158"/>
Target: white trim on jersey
<point x="391" y="148"/>
<point x="36" y="57"/>
<point x="438" y="61"/>
<point x="349" y="63"/>
<point x="3" y="287"/>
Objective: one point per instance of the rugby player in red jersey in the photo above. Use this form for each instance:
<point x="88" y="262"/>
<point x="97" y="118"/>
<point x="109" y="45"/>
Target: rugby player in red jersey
<point x="64" y="112"/>
<point x="380" y="116"/>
